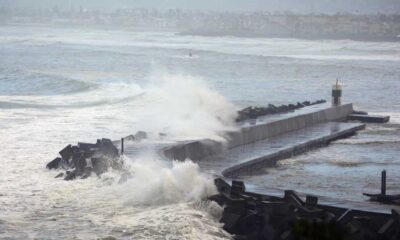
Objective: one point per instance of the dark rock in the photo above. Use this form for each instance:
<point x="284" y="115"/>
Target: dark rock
<point x="99" y="165"/>
<point x="107" y="148"/>
<point x="283" y="108"/>
<point x="237" y="188"/>
<point x="249" y="215"/>
<point x="67" y="152"/>
<point x="299" y="105"/>
<point x="64" y="164"/>
<point x="311" y="201"/>
<point x="252" y="224"/>
<point x="86" y="146"/>
<point x="250" y="113"/>
<point x="90" y="152"/>
<point x="86" y="157"/>
<point x="276" y="208"/>
<point x="231" y="217"/>
<point x="77" y="161"/>
<point x="218" y="198"/>
<point x="270" y="232"/>
<point x="55" y="164"/>
<point x="222" y="186"/>
<point x="70" y="175"/>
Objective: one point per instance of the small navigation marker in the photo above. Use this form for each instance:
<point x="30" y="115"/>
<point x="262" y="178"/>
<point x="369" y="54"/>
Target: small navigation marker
<point x="383" y="197"/>
<point x="336" y="94"/>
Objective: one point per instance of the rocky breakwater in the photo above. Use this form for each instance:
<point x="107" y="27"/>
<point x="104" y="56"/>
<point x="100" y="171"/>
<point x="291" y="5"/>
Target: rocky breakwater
<point x="249" y="215"/>
<point x="255" y="112"/>
<point x="83" y="159"/>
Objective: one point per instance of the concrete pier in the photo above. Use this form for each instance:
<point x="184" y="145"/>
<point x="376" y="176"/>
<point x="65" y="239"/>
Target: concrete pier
<point x="369" y="118"/>
<point x="245" y="159"/>
<point x="260" y="129"/>
<point x="262" y="142"/>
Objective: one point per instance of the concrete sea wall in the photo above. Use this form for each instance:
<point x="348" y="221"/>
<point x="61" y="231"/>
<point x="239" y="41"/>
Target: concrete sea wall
<point x="196" y="150"/>
<point x="253" y="165"/>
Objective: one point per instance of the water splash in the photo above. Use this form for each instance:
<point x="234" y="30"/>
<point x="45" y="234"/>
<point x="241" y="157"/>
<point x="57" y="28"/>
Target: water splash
<point x="158" y="182"/>
<point x="184" y="107"/>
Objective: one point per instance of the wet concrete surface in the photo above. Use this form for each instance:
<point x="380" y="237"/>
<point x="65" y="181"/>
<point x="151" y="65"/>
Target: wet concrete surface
<point x="246" y="153"/>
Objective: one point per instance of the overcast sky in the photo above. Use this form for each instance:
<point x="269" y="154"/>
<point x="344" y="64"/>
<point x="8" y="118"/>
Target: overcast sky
<point x="326" y="6"/>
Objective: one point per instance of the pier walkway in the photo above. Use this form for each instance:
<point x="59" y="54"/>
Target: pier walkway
<point x="265" y="153"/>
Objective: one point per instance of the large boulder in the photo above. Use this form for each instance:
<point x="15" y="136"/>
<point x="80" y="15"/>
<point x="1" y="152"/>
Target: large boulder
<point x="249" y="215"/>
<point x="54" y="164"/>
<point x="255" y="112"/>
<point x="84" y="158"/>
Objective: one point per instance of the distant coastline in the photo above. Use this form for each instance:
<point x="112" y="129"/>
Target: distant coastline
<point x="362" y="27"/>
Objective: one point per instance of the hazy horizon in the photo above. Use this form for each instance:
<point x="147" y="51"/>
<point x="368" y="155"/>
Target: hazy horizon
<point x="305" y="6"/>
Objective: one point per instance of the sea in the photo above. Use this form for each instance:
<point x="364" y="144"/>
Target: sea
<point x="61" y="85"/>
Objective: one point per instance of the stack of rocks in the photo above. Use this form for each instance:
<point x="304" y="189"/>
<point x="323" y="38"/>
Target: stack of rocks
<point x="255" y="216"/>
<point x="254" y="112"/>
<point x="83" y="159"/>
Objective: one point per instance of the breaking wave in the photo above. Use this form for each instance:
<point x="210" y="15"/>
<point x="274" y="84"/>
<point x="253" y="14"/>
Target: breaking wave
<point x="158" y="182"/>
<point x="185" y="108"/>
<point x="21" y="83"/>
<point x="102" y="94"/>
<point x="16" y="105"/>
<point x="182" y="107"/>
<point x="363" y="163"/>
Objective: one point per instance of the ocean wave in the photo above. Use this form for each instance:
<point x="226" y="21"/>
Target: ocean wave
<point x="22" y="83"/>
<point x="264" y="47"/>
<point x="342" y="163"/>
<point x="359" y="164"/>
<point x="17" y="105"/>
<point x="366" y="142"/>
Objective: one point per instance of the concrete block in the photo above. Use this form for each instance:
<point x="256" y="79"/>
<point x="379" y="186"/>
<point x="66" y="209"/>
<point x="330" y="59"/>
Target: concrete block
<point x="311" y="202"/>
<point x="237" y="188"/>
<point x="368" y="118"/>
<point x="67" y="152"/>
<point x="54" y="164"/>
<point x="70" y="175"/>
<point x="86" y="146"/>
<point x="222" y="186"/>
